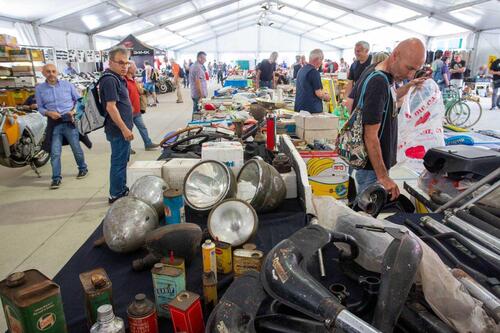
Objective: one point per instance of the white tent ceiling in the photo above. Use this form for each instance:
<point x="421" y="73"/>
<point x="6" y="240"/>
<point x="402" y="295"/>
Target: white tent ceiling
<point x="176" y="24"/>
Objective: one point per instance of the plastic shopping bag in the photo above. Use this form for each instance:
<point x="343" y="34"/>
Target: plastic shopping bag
<point x="420" y="125"/>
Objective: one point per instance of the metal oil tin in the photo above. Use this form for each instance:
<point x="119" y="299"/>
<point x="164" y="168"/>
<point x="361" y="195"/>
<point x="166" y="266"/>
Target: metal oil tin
<point x="186" y="313"/>
<point x="246" y="260"/>
<point x="174" y="262"/>
<point x="32" y="303"/>
<point x="224" y="257"/>
<point x="141" y="314"/>
<point x="97" y="288"/>
<point x="167" y="282"/>
<point x="173" y="203"/>
<point x="209" y="258"/>
<point x="209" y="291"/>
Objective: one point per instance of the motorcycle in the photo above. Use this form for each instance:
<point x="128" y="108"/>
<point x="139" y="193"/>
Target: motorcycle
<point x="21" y="138"/>
<point x="164" y="85"/>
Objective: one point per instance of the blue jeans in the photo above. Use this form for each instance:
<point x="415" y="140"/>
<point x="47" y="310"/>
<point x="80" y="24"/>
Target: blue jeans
<point x="68" y="131"/>
<point x="363" y="179"/>
<point x="120" y="153"/>
<point x="143" y="131"/>
<point x="267" y="84"/>
<point x="195" y="104"/>
<point x="495" y="100"/>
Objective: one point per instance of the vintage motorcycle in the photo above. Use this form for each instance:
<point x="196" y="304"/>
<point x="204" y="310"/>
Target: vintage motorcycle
<point x="21" y="138"/>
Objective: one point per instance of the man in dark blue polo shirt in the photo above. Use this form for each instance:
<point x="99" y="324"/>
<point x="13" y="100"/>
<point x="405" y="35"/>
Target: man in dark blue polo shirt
<point x="310" y="94"/>
<point x="119" y="121"/>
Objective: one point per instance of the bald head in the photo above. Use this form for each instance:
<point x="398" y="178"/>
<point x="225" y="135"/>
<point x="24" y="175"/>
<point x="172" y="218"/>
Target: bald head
<point x="49" y="71"/>
<point x="406" y="59"/>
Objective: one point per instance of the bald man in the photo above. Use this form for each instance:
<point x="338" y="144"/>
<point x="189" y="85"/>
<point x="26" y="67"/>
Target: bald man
<point x="56" y="99"/>
<point x="380" y="112"/>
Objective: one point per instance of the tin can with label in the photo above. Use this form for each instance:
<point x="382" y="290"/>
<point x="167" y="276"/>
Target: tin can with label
<point x="209" y="257"/>
<point x="141" y="314"/>
<point x="186" y="313"/>
<point x="97" y="288"/>
<point x="173" y="203"/>
<point x="224" y="257"/>
<point x="246" y="260"/>
<point x="209" y="291"/>
<point x="174" y="262"/>
<point x="167" y="282"/>
<point x="32" y="303"/>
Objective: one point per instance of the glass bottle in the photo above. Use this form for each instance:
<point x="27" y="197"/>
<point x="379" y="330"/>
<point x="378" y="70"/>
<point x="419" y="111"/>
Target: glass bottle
<point x="107" y="322"/>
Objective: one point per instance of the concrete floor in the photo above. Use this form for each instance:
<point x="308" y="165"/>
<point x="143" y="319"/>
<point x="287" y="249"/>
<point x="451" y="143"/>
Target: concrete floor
<point x="42" y="228"/>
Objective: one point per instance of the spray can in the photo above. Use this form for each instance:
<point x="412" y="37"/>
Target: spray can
<point x="141" y="314"/>
<point x="174" y="206"/>
<point x="209" y="291"/>
<point x="271" y="131"/>
<point x="224" y="257"/>
<point x="167" y="282"/>
<point x="32" y="303"/>
<point x="98" y="291"/>
<point x="209" y="258"/>
<point x="186" y="313"/>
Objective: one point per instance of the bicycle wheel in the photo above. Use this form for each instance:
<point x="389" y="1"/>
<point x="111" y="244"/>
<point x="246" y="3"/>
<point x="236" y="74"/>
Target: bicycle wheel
<point x="458" y="113"/>
<point x="475" y="112"/>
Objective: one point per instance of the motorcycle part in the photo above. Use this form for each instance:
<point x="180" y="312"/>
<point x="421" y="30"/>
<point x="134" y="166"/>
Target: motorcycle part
<point x="126" y="224"/>
<point x="207" y="184"/>
<point x="490" y="301"/>
<point x="285" y="280"/>
<point x="484" y="215"/>
<point x="288" y="324"/>
<point x="232" y="221"/>
<point x="182" y="240"/>
<point x="150" y="190"/>
<point x="261" y="185"/>
<point x="340" y="291"/>
<point x="282" y="163"/>
<point x="416" y="318"/>
<point x="471" y="189"/>
<point x="172" y="137"/>
<point x="371" y="285"/>
<point x="237" y="308"/>
<point x="478" y="223"/>
<point x="399" y="270"/>
<point x="481" y="195"/>
<point x="372" y="199"/>
<point x="416" y="193"/>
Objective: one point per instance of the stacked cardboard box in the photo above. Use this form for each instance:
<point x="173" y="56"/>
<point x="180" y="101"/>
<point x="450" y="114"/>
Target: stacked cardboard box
<point x="321" y="126"/>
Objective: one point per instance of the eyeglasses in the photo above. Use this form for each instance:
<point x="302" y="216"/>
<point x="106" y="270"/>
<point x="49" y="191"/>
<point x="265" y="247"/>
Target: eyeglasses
<point x="121" y="63"/>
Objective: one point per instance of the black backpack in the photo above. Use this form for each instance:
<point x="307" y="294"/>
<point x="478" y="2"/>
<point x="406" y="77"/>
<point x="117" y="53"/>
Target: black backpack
<point x="181" y="72"/>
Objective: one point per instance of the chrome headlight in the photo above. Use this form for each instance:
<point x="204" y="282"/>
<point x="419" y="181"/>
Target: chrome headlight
<point x="150" y="190"/>
<point x="232" y="221"/>
<point x="208" y="183"/>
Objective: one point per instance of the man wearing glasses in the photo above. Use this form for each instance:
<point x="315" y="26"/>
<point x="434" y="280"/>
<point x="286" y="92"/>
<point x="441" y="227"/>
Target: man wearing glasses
<point x="119" y="120"/>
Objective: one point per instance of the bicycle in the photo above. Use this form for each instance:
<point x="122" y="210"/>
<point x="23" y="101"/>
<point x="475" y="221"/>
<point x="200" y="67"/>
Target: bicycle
<point x="461" y="111"/>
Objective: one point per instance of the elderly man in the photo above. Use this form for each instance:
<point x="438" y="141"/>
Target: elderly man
<point x="176" y="70"/>
<point x="119" y="120"/>
<point x="310" y="94"/>
<point x="265" y="72"/>
<point x="457" y="70"/>
<point x="56" y="100"/>
<point x="379" y="113"/>
<point x="134" y="95"/>
<point x="197" y="80"/>
<point x="363" y="60"/>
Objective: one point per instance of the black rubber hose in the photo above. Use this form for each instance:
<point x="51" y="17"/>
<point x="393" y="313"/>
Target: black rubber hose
<point x="478" y="223"/>
<point x="485" y="216"/>
<point x="493" y="210"/>
<point x="422" y="321"/>
<point x="348" y="239"/>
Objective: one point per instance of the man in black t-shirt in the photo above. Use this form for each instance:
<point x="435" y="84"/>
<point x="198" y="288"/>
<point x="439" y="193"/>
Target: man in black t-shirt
<point x="495" y="70"/>
<point x="265" y="72"/>
<point x="457" y="69"/>
<point x="297" y="66"/>
<point x="380" y="126"/>
<point x="363" y="60"/>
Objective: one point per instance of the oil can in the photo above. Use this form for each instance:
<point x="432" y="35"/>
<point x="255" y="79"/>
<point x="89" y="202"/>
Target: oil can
<point x="209" y="258"/>
<point x="186" y="313"/>
<point x="245" y="260"/>
<point x="97" y="288"/>
<point x="224" y="257"/>
<point x="32" y="303"/>
<point x="209" y="291"/>
<point x="173" y="202"/>
<point x="141" y="314"/>
<point x="167" y="282"/>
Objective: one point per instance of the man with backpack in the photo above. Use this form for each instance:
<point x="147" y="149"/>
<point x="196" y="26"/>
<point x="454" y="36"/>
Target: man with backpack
<point x="440" y="71"/>
<point x="119" y="122"/>
<point x="375" y="98"/>
<point x="178" y="75"/>
<point x="149" y="82"/>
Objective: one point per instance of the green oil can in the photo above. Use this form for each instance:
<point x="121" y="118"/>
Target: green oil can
<point x="97" y="288"/>
<point x="32" y="303"/>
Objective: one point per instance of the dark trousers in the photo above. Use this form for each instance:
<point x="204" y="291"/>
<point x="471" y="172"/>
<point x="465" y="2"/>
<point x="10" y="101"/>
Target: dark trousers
<point x="120" y="154"/>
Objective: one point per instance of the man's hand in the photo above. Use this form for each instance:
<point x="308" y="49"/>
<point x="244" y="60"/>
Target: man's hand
<point x="127" y="134"/>
<point x="418" y="82"/>
<point x="53" y="115"/>
<point x="390" y="186"/>
<point x="326" y="97"/>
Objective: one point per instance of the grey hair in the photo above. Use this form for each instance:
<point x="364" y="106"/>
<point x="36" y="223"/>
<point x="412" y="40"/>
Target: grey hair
<point x="379" y="57"/>
<point x="364" y="44"/>
<point x="116" y="50"/>
<point x="316" y="54"/>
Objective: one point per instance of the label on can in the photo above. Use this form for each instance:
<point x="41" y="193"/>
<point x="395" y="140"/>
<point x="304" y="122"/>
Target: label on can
<point x="209" y="258"/>
<point x="146" y="324"/>
<point x="246" y="260"/>
<point x="224" y="257"/>
<point x="166" y="288"/>
<point x="96" y="300"/>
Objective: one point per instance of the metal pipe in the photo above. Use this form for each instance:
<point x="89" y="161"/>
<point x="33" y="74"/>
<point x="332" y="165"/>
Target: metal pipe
<point x="485" y="216"/>
<point x="490" y="301"/>
<point x="474" y="233"/>
<point x="478" y="223"/>
<point x="480" y="195"/>
<point x="349" y="323"/>
<point x="492" y="176"/>
<point x="322" y="271"/>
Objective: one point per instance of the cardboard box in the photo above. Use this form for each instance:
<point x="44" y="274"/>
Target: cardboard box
<point x="227" y="152"/>
<point x="8" y="40"/>
<point x="25" y="81"/>
<point x="328" y="174"/>
<point x="175" y="170"/>
<point x="143" y="168"/>
<point x="322" y="121"/>
<point x="309" y="135"/>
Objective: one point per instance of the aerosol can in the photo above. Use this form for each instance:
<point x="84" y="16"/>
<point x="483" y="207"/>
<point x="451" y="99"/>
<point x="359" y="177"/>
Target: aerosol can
<point x="107" y="322"/>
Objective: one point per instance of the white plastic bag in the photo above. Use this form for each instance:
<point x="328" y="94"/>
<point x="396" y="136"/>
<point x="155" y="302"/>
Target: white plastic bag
<point x="420" y="125"/>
